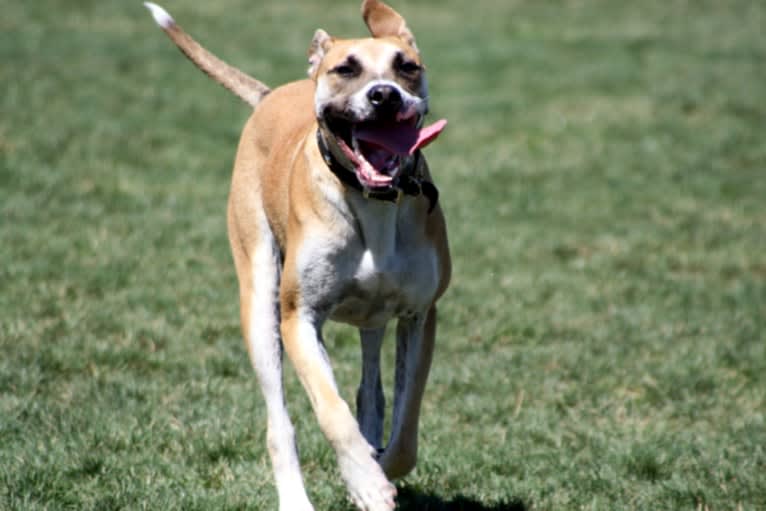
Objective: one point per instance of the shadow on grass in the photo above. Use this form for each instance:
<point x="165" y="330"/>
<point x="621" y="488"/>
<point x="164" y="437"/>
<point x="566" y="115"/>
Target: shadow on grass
<point x="411" y="499"/>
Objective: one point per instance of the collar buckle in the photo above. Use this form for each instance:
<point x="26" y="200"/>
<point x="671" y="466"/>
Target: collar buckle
<point x="393" y="194"/>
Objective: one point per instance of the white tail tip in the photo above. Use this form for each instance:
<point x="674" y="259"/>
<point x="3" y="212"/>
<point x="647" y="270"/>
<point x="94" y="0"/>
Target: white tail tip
<point x="161" y="16"/>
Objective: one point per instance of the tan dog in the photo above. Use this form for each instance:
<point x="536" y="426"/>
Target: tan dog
<point x="332" y="215"/>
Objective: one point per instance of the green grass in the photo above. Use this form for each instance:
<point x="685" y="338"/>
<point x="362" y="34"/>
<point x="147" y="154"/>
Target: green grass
<point x="602" y="346"/>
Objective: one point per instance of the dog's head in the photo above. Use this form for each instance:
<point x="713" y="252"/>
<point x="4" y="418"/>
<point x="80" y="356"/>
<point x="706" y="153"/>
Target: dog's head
<point x="372" y="96"/>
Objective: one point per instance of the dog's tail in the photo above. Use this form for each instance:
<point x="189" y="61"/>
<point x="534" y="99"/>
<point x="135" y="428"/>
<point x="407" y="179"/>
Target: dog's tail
<point x="245" y="86"/>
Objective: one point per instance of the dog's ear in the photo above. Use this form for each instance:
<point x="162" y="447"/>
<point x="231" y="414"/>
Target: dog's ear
<point x="383" y="21"/>
<point x="318" y="49"/>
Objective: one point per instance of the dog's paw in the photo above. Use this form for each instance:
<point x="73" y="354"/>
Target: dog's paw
<point x="296" y="502"/>
<point x="367" y="486"/>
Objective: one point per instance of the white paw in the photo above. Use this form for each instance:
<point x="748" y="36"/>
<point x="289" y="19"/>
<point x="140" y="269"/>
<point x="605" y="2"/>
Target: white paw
<point x="297" y="502"/>
<point x="367" y="486"/>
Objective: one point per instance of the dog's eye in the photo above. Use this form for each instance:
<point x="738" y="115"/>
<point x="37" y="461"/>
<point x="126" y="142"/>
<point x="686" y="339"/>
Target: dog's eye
<point x="408" y="67"/>
<point x="348" y="69"/>
<point x="344" y="70"/>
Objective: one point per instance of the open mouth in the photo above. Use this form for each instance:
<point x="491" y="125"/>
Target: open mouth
<point x="377" y="149"/>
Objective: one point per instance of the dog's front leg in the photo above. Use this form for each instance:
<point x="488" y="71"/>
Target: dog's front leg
<point x="414" y="350"/>
<point x="370" y="401"/>
<point x="259" y="274"/>
<point x="367" y="485"/>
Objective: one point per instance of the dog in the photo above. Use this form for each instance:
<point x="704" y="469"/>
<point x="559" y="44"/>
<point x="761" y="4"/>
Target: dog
<point x="333" y="215"/>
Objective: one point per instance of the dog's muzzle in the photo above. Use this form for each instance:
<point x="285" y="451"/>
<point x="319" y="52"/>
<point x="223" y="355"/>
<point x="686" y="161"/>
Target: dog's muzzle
<point x="410" y="181"/>
<point x="377" y="149"/>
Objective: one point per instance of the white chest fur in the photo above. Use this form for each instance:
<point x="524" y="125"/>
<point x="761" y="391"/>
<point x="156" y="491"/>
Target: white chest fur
<point x="400" y="284"/>
<point x="382" y="267"/>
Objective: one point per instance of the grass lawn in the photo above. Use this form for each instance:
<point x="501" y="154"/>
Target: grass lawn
<point x="603" y="343"/>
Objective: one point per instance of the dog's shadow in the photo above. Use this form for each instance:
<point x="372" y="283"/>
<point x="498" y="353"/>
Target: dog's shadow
<point x="412" y="499"/>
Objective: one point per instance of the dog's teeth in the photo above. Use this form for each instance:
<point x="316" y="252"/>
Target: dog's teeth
<point x="391" y="164"/>
<point x="354" y="141"/>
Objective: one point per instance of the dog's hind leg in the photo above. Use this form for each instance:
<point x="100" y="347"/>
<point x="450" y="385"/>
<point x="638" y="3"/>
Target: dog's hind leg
<point x="370" y="401"/>
<point x="414" y="350"/>
<point x="258" y="270"/>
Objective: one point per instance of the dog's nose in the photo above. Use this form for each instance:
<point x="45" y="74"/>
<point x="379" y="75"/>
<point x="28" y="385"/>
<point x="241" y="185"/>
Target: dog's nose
<point x="385" y="97"/>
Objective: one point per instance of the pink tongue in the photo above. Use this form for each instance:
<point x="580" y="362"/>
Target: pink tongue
<point x="399" y="138"/>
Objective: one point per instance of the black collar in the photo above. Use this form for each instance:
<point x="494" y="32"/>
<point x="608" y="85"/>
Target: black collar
<point x="408" y="183"/>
